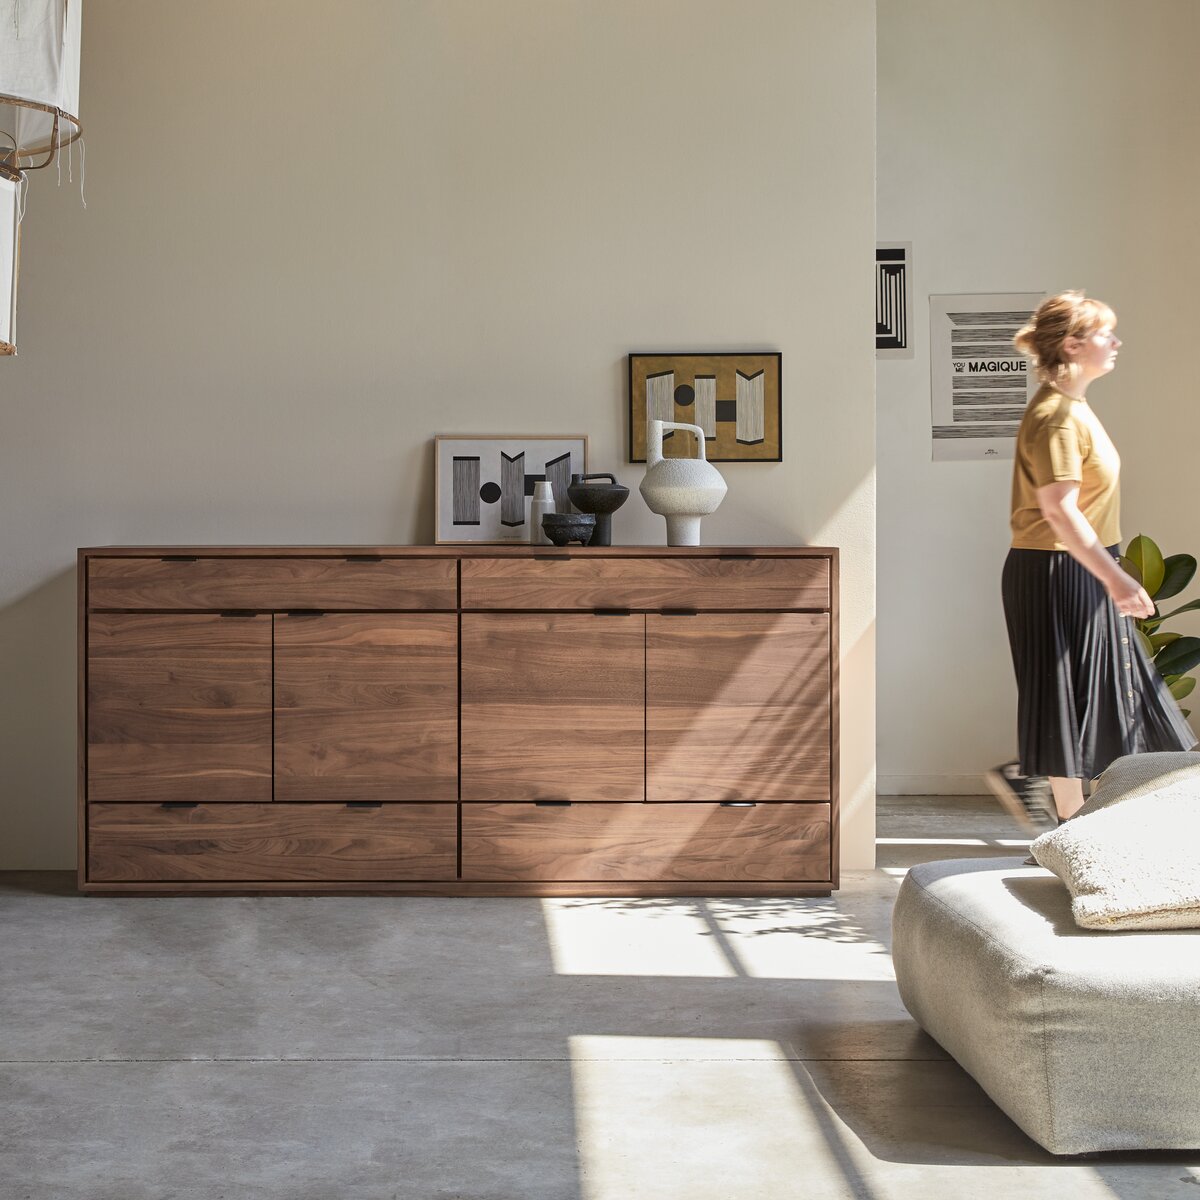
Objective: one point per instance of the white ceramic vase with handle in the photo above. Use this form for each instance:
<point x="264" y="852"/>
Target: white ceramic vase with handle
<point x="681" y="489"/>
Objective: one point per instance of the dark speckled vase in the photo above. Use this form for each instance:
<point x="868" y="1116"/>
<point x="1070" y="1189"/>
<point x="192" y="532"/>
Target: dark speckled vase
<point x="603" y="499"/>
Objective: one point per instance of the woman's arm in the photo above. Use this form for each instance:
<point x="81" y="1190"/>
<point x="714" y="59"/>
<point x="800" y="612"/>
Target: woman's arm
<point x="1059" y="503"/>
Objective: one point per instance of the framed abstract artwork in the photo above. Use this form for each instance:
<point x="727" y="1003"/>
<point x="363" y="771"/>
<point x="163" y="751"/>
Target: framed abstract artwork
<point x="893" y="299"/>
<point x="484" y="484"/>
<point x="737" y="399"/>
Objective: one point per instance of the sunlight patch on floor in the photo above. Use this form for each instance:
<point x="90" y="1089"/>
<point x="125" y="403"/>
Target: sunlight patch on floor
<point x="648" y="937"/>
<point x="954" y="847"/>
<point x="763" y="938"/>
<point x="798" y="939"/>
<point x="737" y="1126"/>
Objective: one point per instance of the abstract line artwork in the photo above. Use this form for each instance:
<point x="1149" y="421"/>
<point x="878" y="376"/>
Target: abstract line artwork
<point x="706" y="405"/>
<point x="484" y="485"/>
<point x="737" y="399"/>
<point x="512" y="489"/>
<point x="749" y="418"/>
<point x="466" y="490"/>
<point x="893" y="299"/>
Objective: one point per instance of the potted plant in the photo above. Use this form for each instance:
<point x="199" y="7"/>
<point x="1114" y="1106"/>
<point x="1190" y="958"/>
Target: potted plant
<point x="1175" y="655"/>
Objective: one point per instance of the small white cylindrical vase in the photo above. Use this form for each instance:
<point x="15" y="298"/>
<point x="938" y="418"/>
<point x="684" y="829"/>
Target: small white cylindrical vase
<point x="541" y="504"/>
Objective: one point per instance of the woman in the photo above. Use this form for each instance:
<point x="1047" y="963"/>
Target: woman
<point x="1086" y="693"/>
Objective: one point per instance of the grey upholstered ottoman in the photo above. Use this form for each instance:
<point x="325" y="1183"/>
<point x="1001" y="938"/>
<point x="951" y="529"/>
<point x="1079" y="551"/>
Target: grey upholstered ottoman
<point x="1088" y="1041"/>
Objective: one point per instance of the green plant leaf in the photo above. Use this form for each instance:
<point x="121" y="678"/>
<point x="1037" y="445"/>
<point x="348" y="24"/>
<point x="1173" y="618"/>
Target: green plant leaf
<point x="1131" y="568"/>
<point x="1170" y="679"/>
<point x="1149" y="625"/>
<point x="1179" y="570"/>
<point x="1159" y="640"/>
<point x="1149" y="561"/>
<point x="1147" y="644"/>
<point x="1183" y="688"/>
<point x="1189" y="607"/>
<point x="1187" y="712"/>
<point x="1180" y="657"/>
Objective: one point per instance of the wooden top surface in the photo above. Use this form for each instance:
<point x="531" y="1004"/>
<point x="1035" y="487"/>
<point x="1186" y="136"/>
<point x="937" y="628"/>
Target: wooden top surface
<point x="468" y="550"/>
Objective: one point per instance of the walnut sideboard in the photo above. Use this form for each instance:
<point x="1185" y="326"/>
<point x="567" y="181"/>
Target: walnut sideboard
<point x="491" y="720"/>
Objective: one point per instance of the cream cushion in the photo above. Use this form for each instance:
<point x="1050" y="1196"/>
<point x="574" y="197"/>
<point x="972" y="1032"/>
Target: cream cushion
<point x="1131" y="856"/>
<point x="1086" y="1039"/>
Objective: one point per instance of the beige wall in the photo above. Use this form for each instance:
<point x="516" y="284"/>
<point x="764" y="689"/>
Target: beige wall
<point x="1023" y="147"/>
<point x="319" y="233"/>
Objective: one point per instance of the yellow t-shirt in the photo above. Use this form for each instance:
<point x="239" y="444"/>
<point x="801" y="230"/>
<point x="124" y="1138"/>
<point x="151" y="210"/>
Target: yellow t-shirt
<point x="1061" y="439"/>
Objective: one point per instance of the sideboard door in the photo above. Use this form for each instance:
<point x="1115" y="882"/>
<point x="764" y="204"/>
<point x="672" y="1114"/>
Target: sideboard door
<point x="553" y="706"/>
<point x="366" y="706"/>
<point x="738" y="707"/>
<point x="179" y="707"/>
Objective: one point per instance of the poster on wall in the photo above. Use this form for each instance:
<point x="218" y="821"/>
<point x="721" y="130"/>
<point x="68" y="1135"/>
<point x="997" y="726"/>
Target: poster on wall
<point x="979" y="384"/>
<point x="893" y="300"/>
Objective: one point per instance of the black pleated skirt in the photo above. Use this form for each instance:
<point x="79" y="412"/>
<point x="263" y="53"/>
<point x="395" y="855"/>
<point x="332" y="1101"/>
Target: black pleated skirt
<point x="1086" y="692"/>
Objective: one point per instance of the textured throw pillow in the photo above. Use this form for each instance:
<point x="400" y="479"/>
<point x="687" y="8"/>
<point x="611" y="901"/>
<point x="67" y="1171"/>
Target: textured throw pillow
<point x="1131" y="856"/>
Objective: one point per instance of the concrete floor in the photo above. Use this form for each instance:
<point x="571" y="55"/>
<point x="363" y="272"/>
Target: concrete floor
<point x="432" y="1049"/>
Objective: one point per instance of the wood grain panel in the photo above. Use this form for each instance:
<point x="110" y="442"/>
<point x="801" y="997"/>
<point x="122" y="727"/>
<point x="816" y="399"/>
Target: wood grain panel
<point x="272" y="583"/>
<point x="553" y="707"/>
<point x="737" y="707"/>
<point x="179" y="707"/>
<point x="550" y="582"/>
<point x="643" y="842"/>
<point x="366" y="707"/>
<point x="251" y="842"/>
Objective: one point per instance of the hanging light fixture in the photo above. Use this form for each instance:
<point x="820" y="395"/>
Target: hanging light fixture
<point x="10" y="252"/>
<point x="39" y="116"/>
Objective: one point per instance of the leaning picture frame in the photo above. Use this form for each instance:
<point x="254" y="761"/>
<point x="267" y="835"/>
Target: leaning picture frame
<point x="483" y="483"/>
<point x="736" y="398"/>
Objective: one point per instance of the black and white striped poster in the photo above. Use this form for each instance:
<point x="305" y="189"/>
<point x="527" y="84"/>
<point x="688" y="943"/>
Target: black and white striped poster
<point x="979" y="383"/>
<point x="893" y="299"/>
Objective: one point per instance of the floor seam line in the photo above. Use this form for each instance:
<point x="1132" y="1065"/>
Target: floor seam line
<point x="61" y="1062"/>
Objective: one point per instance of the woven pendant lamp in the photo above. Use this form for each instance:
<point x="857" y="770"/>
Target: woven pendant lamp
<point x="39" y="115"/>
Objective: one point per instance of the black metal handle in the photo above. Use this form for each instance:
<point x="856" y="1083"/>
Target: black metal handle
<point x="178" y="804"/>
<point x="305" y="612"/>
<point x="552" y="803"/>
<point x="178" y="558"/>
<point x="739" y="804"/>
<point x="364" y="803"/>
<point x="238" y="612"/>
<point x="364" y="558"/>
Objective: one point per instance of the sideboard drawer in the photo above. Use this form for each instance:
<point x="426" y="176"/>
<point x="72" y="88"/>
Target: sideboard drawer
<point x="548" y="581"/>
<point x="513" y="843"/>
<point x="252" y="843"/>
<point x="272" y="583"/>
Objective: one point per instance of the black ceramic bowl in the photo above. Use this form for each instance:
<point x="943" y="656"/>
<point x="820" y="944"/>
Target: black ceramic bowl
<point x="564" y="528"/>
<point x="599" y="498"/>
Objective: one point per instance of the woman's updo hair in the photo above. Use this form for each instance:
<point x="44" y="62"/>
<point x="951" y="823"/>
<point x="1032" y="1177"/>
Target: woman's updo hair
<point x="1069" y="314"/>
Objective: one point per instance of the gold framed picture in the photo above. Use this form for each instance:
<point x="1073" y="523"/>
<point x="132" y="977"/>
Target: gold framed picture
<point x="736" y="398"/>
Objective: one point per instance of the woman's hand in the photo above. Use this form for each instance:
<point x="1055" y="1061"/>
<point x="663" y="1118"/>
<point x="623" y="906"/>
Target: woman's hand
<point x="1059" y="503"/>
<point x="1129" y="597"/>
